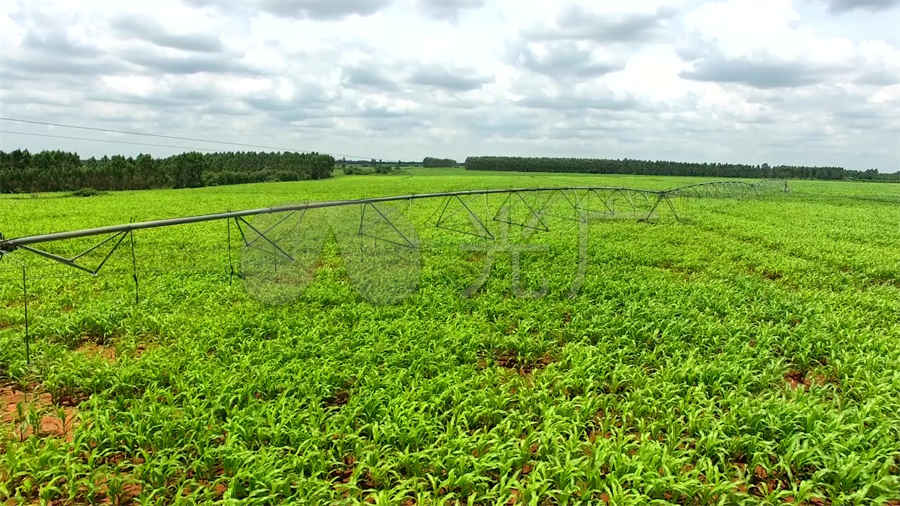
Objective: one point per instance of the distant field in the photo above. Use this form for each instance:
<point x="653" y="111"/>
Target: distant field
<point x="750" y="352"/>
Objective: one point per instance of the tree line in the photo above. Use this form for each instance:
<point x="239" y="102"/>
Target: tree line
<point x="429" y="161"/>
<point x="21" y="171"/>
<point x="667" y="168"/>
<point x="343" y="162"/>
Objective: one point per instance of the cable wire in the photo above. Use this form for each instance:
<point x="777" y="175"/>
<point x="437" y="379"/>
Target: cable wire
<point x="149" y="134"/>
<point x="146" y="134"/>
<point x="105" y="140"/>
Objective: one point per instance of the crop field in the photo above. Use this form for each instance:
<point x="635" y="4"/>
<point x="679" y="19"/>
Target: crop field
<point x="748" y="352"/>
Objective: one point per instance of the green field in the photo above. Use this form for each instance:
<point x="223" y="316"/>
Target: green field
<point x="747" y="353"/>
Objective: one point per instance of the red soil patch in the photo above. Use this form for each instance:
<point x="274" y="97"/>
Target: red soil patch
<point x="128" y="493"/>
<point x="107" y="353"/>
<point x="367" y="482"/>
<point x="338" y="399"/>
<point x="143" y="348"/>
<point x="772" y="275"/>
<point x="345" y="472"/>
<point x="800" y="379"/>
<point x="51" y="424"/>
<point x="509" y="360"/>
<point x="132" y="490"/>
<point x="763" y="482"/>
<point x="596" y="434"/>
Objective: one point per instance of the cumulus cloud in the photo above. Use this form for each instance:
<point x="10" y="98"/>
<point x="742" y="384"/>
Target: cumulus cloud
<point x="163" y="95"/>
<point x="56" y="54"/>
<point x="58" y="44"/>
<point x="307" y="101"/>
<point x="563" y="58"/>
<point x="576" y="22"/>
<point x="879" y="77"/>
<point x="368" y="78"/>
<point x="323" y="9"/>
<point x="758" y="73"/>
<point x="188" y="64"/>
<point x="729" y="80"/>
<point x="448" y="10"/>
<point x="32" y="69"/>
<point x="437" y="76"/>
<point x="155" y="33"/>
<point x="574" y="102"/>
<point x="329" y="10"/>
<point x="871" y="5"/>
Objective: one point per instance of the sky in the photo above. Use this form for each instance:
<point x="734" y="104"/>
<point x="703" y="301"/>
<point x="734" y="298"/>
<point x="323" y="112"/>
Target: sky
<point x="812" y="82"/>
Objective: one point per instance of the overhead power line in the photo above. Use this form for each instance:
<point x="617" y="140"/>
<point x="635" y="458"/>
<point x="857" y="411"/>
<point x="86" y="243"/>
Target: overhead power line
<point x="162" y="136"/>
<point x="146" y="134"/>
<point x="189" y="148"/>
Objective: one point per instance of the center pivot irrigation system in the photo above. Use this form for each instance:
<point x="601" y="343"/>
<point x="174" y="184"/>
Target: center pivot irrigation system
<point x="280" y="250"/>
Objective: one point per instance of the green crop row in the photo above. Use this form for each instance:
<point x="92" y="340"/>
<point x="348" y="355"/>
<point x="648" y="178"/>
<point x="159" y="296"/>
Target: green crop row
<point x="747" y="353"/>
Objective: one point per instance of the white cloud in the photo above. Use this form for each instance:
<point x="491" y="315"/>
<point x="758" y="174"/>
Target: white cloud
<point x="731" y="80"/>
